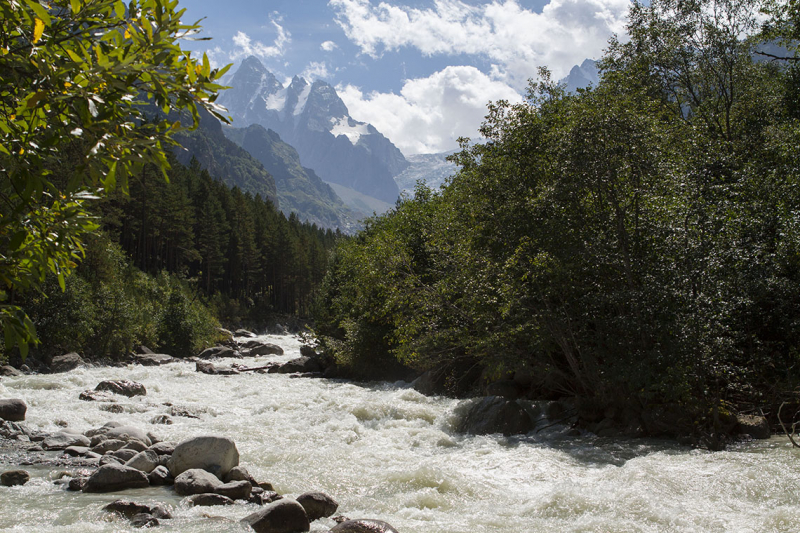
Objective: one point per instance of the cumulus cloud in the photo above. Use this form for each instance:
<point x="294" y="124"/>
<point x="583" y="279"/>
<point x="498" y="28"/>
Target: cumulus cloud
<point x="316" y="71"/>
<point x="245" y="46"/>
<point x="328" y="46"/>
<point x="517" y="40"/>
<point x="431" y="113"/>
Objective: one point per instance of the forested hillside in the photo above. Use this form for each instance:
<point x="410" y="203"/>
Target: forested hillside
<point x="634" y="247"/>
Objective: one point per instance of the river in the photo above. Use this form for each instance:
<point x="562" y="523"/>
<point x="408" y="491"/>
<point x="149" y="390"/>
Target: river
<point x="385" y="451"/>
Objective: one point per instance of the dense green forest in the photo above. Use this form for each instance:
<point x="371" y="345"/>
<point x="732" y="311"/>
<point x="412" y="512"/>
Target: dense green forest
<point x="173" y="259"/>
<point x="634" y="246"/>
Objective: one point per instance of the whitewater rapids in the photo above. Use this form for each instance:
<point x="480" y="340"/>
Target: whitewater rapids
<point x="384" y="451"/>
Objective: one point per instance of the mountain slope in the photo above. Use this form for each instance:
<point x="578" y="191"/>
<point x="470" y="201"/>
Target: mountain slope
<point x="224" y="159"/>
<point x="313" y="119"/>
<point x="300" y="190"/>
<point x="431" y="169"/>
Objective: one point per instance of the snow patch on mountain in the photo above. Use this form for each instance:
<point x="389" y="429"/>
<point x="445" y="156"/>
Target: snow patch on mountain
<point x="349" y="128"/>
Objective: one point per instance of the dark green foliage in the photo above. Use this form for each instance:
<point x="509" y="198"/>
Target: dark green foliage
<point x="634" y="245"/>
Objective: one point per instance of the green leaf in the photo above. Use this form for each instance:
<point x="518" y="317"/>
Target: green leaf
<point x="40" y="11"/>
<point x="75" y="5"/>
<point x="17" y="240"/>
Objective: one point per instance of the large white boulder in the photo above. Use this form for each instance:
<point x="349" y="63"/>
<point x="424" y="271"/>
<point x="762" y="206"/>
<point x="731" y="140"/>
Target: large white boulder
<point x="207" y="452"/>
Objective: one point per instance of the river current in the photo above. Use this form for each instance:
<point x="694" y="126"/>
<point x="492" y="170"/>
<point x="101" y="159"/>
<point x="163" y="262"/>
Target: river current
<point x="385" y="451"/>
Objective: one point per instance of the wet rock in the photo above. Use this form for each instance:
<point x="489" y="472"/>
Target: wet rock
<point x="208" y="500"/>
<point x="494" y="414"/>
<point x="160" y="476"/>
<point x="208" y="368"/>
<point x="144" y="520"/>
<point x="76" y="451"/>
<point x="65" y="363"/>
<point x="283" y="516"/>
<point x="308" y="351"/>
<point x="162" y="419"/>
<point x="9" y="371"/>
<point x="146" y="461"/>
<point x="64" y="439"/>
<point x="235" y="490"/>
<point x="753" y="425"/>
<point x="363" y="526"/>
<point x="125" y="455"/>
<point x="111" y="478"/>
<point x="96" y="439"/>
<point x="129" y="509"/>
<point x="217" y="351"/>
<point x="143" y="350"/>
<point x="264" y="349"/>
<point x="110" y="460"/>
<point x="12" y="478"/>
<point x="128" y="433"/>
<point x="135" y="445"/>
<point x="13" y="410"/>
<point x="196" y="481"/>
<point x="163" y="448"/>
<point x="152" y="359"/>
<point x="76" y="484"/>
<point x="301" y="364"/>
<point x="122" y="387"/>
<point x="182" y="412"/>
<point x="244" y="333"/>
<point x="107" y="445"/>
<point x="96" y="396"/>
<point x="211" y="453"/>
<point x="240" y="473"/>
<point x="114" y="408"/>
<point x="317" y="505"/>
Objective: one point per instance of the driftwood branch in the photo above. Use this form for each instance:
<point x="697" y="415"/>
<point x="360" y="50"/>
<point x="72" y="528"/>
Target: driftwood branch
<point x="788" y="433"/>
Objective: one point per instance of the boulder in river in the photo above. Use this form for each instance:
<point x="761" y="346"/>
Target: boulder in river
<point x="301" y="364"/>
<point x="494" y="414"/>
<point x="129" y="509"/>
<point x="13" y="410"/>
<point x="363" y="526"/>
<point x="123" y="387"/>
<point x="196" y="481"/>
<point x="126" y="433"/>
<point x="244" y="333"/>
<point x="235" y="490"/>
<point x="753" y="425"/>
<point x="283" y="516"/>
<point x="264" y="349"/>
<point x="317" y="505"/>
<point x="97" y="396"/>
<point x="151" y="359"/>
<point x="211" y="453"/>
<point x="217" y="351"/>
<point x="240" y="473"/>
<point x="64" y="439"/>
<point x="113" y="477"/>
<point x="10" y="371"/>
<point x="208" y="500"/>
<point x="146" y="461"/>
<point x="160" y="476"/>
<point x="14" y="477"/>
<point x="65" y="363"/>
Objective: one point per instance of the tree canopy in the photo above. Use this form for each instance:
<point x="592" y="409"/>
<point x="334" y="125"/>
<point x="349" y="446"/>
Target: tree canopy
<point x="77" y="79"/>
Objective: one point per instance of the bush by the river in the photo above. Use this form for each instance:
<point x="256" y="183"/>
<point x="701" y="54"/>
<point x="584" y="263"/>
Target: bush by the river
<point x="109" y="306"/>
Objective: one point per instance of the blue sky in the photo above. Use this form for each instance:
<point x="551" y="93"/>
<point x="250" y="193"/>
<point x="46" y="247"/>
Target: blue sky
<point x="421" y="71"/>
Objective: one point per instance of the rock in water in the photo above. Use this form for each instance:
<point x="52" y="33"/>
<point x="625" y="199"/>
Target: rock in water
<point x="235" y="490"/>
<point x="208" y="500"/>
<point x="494" y="414"/>
<point x="283" y="516"/>
<point x="212" y="454"/>
<point x="196" y="481"/>
<point x="14" y="477"/>
<point x="363" y="526"/>
<point x="112" y="477"/>
<point x="152" y="359"/>
<point x="130" y="509"/>
<point x="145" y="461"/>
<point x="65" y="363"/>
<point x="317" y="505"/>
<point x="123" y="387"/>
<point x="13" y="410"/>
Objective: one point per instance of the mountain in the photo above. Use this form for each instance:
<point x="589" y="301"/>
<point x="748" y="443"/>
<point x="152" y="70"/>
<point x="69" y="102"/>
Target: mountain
<point x="581" y="76"/>
<point x="364" y="206"/>
<point x="223" y="159"/>
<point x="432" y="169"/>
<point x="300" y="190"/>
<point x="313" y="119"/>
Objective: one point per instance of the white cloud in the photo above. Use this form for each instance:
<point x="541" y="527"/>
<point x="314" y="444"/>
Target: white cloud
<point x="246" y="46"/>
<point x="431" y="113"/>
<point x="328" y="46"/>
<point x="518" y="40"/>
<point x="316" y="71"/>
